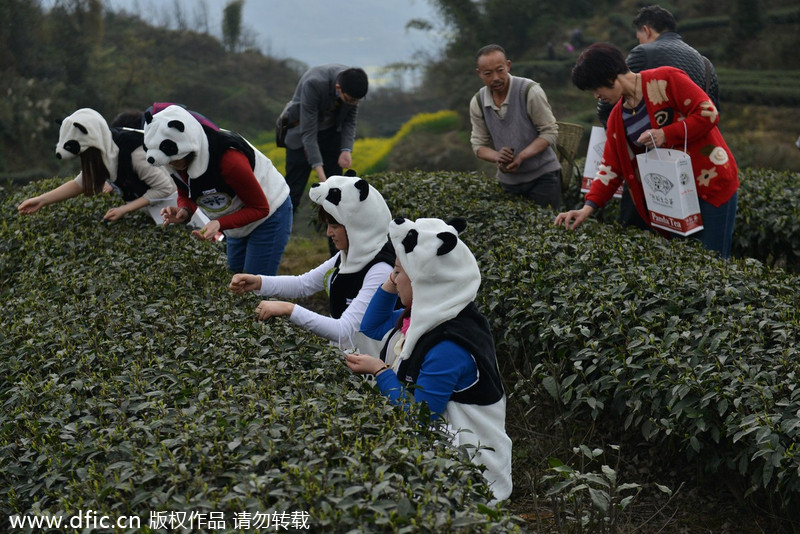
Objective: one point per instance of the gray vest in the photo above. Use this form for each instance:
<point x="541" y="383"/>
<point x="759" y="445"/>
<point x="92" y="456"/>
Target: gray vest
<point x="517" y="131"/>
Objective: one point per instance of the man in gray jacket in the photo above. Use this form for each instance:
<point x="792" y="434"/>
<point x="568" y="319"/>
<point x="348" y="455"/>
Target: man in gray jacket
<point x="660" y="46"/>
<point x="322" y="119"/>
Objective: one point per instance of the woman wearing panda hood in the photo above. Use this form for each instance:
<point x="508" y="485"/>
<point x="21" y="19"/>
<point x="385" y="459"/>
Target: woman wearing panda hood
<point x="357" y="221"/>
<point x="230" y="181"/>
<point x="108" y="156"/>
<point x="440" y="345"/>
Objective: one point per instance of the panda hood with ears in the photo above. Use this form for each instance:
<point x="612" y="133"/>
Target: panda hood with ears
<point x="360" y="208"/>
<point x="173" y="133"/>
<point x="86" y="128"/>
<point x="444" y="274"/>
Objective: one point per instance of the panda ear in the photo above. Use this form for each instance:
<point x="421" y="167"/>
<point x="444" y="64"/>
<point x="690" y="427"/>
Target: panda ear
<point x="315" y="184"/>
<point x="178" y="125"/>
<point x="449" y="242"/>
<point x="399" y="220"/>
<point x="334" y="196"/>
<point x="148" y="116"/>
<point x="459" y="223"/>
<point x="81" y="127"/>
<point x="363" y="190"/>
<point x="410" y="240"/>
<point x="350" y="172"/>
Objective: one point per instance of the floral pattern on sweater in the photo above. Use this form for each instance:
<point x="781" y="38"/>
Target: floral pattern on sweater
<point x="688" y="118"/>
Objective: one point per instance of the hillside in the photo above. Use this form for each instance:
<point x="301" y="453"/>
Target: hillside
<point x="79" y="54"/>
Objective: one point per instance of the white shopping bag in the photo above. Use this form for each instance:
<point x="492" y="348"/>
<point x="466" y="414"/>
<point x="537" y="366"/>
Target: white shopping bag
<point x="670" y="190"/>
<point x="594" y="155"/>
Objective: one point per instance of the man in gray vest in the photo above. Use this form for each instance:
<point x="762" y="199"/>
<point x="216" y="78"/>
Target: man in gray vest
<point x="661" y="46"/>
<point x="514" y="127"/>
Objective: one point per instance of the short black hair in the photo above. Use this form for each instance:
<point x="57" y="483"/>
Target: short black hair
<point x="354" y="82"/>
<point x="656" y="17"/>
<point x="326" y="218"/>
<point x="488" y="49"/>
<point x="598" y="66"/>
<point x="130" y="118"/>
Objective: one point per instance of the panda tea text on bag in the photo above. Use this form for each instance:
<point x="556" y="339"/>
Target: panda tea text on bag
<point x="670" y="191"/>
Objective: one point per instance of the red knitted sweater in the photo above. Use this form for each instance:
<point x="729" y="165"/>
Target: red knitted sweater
<point x="671" y="99"/>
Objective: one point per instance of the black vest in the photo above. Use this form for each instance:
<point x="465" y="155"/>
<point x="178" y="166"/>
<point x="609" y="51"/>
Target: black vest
<point x="469" y="329"/>
<point x="129" y="183"/>
<point x="218" y="143"/>
<point x="345" y="287"/>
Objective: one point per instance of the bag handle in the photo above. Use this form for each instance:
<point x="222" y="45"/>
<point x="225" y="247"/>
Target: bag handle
<point x="685" y="140"/>
<point x="685" y="136"/>
<point x="655" y="148"/>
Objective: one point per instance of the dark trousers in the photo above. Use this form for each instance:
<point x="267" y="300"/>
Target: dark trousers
<point x="628" y="216"/>
<point x="544" y="190"/>
<point x="298" y="168"/>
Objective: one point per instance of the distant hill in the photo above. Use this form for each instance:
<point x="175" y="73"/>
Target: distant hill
<point x="78" y="54"/>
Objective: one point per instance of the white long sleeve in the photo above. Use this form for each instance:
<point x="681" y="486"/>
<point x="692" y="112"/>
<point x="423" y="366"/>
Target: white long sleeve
<point x="160" y="183"/>
<point x="344" y="330"/>
<point x="291" y="287"/>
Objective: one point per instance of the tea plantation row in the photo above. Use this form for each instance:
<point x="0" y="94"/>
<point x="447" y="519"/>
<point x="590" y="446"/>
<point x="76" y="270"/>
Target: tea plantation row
<point x="767" y="221"/>
<point x="133" y="383"/>
<point x="692" y="352"/>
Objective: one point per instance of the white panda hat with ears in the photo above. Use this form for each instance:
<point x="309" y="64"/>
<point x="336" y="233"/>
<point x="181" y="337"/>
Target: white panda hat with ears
<point x="444" y="274"/>
<point x="86" y="128"/>
<point x="173" y="133"/>
<point x="361" y="209"/>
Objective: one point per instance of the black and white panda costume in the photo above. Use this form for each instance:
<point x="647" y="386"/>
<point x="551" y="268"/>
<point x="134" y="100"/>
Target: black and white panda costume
<point x="445" y="331"/>
<point x="173" y="133"/>
<point x="229" y="181"/>
<point x="123" y="156"/>
<point x="350" y="277"/>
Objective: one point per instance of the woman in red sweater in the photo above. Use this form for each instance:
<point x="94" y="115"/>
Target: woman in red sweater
<point x="237" y="187"/>
<point x="659" y="107"/>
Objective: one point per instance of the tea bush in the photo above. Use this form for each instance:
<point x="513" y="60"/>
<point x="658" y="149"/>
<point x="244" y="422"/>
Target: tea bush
<point x="134" y="383"/>
<point x="767" y="221"/>
<point x="694" y="353"/>
<point x="771" y="88"/>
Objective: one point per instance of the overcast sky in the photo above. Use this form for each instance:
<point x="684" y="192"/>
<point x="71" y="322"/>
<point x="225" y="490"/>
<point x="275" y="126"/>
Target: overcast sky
<point x="366" y="33"/>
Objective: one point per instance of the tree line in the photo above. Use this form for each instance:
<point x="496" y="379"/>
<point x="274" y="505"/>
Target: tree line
<point x="81" y="53"/>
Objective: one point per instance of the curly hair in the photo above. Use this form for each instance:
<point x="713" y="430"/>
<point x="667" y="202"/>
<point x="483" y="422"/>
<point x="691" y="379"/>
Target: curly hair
<point x="598" y="66"/>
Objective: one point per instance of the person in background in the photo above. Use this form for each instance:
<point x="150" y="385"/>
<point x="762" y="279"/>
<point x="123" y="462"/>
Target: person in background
<point x="322" y="118"/>
<point x="236" y="186"/>
<point x="110" y="157"/>
<point x="357" y="220"/>
<point x="661" y="46"/>
<point x="663" y="108"/>
<point x="438" y="349"/>
<point x="134" y="119"/>
<point x="514" y="128"/>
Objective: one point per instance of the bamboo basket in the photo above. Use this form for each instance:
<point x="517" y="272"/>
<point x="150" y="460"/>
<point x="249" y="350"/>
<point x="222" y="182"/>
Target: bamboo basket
<point x="569" y="139"/>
